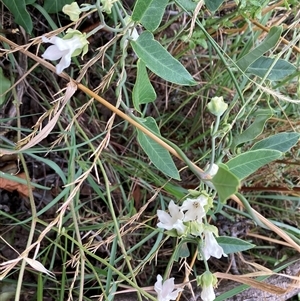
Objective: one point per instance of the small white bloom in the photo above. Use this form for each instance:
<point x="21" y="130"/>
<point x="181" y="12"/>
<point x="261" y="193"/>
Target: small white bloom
<point x="207" y="280"/>
<point x="72" y="10"/>
<point x="165" y="291"/>
<point x="172" y="220"/>
<point x="72" y="44"/>
<point x="213" y="171"/>
<point x="133" y="34"/>
<point x="211" y="246"/>
<point x="195" y="208"/>
<point x="209" y="174"/>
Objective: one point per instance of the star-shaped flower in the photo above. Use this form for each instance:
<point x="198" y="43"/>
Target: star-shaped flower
<point x="172" y="220"/>
<point x="195" y="208"/>
<point x="166" y="291"/>
<point x="71" y="45"/>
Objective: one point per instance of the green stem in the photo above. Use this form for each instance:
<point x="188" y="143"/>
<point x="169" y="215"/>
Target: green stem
<point x="116" y="226"/>
<point x="31" y="200"/>
<point x="213" y="143"/>
<point x="71" y="179"/>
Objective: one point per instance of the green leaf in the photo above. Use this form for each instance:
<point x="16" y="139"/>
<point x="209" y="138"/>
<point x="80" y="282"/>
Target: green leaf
<point x="233" y="244"/>
<point x="254" y="130"/>
<point x="279" y="70"/>
<point x="182" y="251"/>
<point x="158" y="155"/>
<point x="143" y="92"/>
<point x="246" y="164"/>
<point x="20" y="13"/>
<point x="213" y="5"/>
<point x="55" y="6"/>
<point x="269" y="42"/>
<point x="188" y="5"/>
<point x="149" y="13"/>
<point x="160" y="61"/>
<point x="51" y="164"/>
<point x="281" y="142"/>
<point x="4" y="86"/>
<point x="225" y="182"/>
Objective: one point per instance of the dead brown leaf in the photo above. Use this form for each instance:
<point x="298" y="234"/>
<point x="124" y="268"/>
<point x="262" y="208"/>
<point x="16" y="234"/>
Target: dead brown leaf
<point x="11" y="186"/>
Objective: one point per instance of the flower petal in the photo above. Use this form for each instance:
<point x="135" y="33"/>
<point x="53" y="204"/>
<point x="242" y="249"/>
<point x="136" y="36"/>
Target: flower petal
<point x="165" y="291"/>
<point x="158" y="284"/>
<point x="208" y="293"/>
<point x="211" y="246"/>
<point x="175" y="211"/>
<point x="165" y="220"/>
<point x="175" y="293"/>
<point x="63" y="64"/>
<point x="195" y="208"/>
<point x="59" y="42"/>
<point x="168" y="286"/>
<point x="52" y="53"/>
<point x="172" y="220"/>
<point x="179" y="227"/>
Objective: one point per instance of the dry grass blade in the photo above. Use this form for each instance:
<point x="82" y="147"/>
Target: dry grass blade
<point x="271" y="226"/>
<point x="71" y="88"/>
<point x="272" y="289"/>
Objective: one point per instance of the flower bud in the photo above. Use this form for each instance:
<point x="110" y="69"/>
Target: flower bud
<point x="207" y="281"/>
<point x="107" y="5"/>
<point x="217" y="106"/>
<point x="72" y="10"/>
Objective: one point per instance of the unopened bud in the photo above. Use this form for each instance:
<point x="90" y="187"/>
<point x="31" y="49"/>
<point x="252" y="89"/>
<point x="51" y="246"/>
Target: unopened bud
<point x="217" y="106"/>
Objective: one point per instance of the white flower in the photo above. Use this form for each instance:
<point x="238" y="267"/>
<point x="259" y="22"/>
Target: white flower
<point x="72" y="44"/>
<point x="165" y="291"/>
<point x="211" y="246"/>
<point x="207" y="280"/>
<point x="133" y="34"/>
<point x="72" y="10"/>
<point x="195" y="208"/>
<point x="172" y="220"/>
<point x="209" y="174"/>
<point x="213" y="170"/>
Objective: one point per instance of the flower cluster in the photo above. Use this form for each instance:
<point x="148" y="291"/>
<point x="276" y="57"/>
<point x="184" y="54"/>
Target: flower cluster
<point x="191" y="210"/>
<point x="189" y="220"/>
